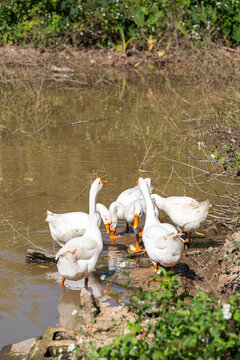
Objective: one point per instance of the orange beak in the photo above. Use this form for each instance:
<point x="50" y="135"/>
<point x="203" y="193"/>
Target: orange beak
<point x="136" y="221"/>
<point x="103" y="181"/>
<point x="138" y="179"/>
<point x="108" y="227"/>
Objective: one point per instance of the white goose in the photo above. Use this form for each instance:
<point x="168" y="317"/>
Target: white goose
<point x="78" y="257"/>
<point x="117" y="207"/>
<point x="186" y="213"/>
<point x="64" y="227"/>
<point x="162" y="241"/>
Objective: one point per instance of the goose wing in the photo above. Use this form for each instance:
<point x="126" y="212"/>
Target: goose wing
<point x="157" y="236"/>
<point x="186" y="211"/>
<point x="81" y="248"/>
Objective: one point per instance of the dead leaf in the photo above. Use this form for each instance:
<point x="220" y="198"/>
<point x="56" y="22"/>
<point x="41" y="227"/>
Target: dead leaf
<point x="160" y="53"/>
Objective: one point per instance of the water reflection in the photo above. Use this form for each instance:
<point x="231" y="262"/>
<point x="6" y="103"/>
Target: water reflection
<point x="69" y="301"/>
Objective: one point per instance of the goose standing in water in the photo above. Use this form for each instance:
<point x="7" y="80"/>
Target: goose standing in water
<point x="78" y="257"/>
<point x="186" y="213"/>
<point x="64" y="227"/>
<point x="162" y="241"/>
<point x="117" y="207"/>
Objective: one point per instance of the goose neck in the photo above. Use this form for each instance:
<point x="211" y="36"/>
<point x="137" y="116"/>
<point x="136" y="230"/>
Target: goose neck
<point x="92" y="206"/>
<point x="114" y="208"/>
<point x="148" y="201"/>
<point x="100" y="208"/>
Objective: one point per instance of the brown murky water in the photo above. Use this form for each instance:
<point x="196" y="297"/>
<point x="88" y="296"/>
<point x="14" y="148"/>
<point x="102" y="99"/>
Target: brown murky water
<point x="52" y="171"/>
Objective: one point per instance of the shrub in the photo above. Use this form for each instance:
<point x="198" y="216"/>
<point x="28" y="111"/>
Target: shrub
<point x="172" y="326"/>
<point x="103" y="22"/>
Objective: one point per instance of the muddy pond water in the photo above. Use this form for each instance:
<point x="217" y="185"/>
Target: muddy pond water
<point x="134" y="125"/>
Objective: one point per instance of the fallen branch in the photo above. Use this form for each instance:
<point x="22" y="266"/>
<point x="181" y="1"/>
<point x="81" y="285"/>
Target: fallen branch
<point x="40" y="257"/>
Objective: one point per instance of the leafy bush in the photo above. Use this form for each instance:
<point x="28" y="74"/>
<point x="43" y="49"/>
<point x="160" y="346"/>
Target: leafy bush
<point x="109" y="22"/>
<point x="173" y="326"/>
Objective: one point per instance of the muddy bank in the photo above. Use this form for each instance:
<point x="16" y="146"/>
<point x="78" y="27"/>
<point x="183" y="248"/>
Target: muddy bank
<point x="214" y="270"/>
<point x="65" y="61"/>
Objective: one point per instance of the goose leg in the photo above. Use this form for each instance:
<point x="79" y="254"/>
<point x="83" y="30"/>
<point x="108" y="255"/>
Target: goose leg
<point x="138" y="247"/>
<point x="187" y="241"/>
<point x="106" y="289"/>
<point x="113" y="234"/>
<point x="86" y="283"/>
<point x="127" y="228"/>
<point x="154" y="278"/>
<point x="62" y="283"/>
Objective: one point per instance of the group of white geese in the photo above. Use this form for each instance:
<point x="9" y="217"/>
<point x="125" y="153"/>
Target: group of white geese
<point x="80" y="238"/>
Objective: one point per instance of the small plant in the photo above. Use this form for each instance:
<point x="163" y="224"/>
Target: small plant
<point x="174" y="326"/>
<point x="125" y="43"/>
<point x="228" y="156"/>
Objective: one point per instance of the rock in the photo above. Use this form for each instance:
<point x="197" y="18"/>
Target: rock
<point x="60" y="69"/>
<point x="89" y="308"/>
<point x="17" y="351"/>
<point x="54" y="342"/>
<point x="144" y="262"/>
<point x="88" y="303"/>
<point x="109" y="62"/>
<point x="121" y="278"/>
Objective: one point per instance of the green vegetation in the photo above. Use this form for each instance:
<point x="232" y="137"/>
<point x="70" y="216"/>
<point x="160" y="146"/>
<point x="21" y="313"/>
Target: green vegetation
<point x="176" y="325"/>
<point x="228" y="156"/>
<point x="117" y="24"/>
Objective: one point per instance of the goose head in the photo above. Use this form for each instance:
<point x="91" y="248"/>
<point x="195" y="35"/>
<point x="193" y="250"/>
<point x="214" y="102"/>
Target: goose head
<point x="116" y="211"/>
<point x="105" y="216"/>
<point x="138" y="213"/>
<point x="113" y="226"/>
<point x="144" y="186"/>
<point x="98" y="184"/>
<point x="142" y="181"/>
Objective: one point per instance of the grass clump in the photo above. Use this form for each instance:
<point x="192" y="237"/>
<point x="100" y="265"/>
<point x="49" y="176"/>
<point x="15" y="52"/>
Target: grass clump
<point x="171" y="325"/>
